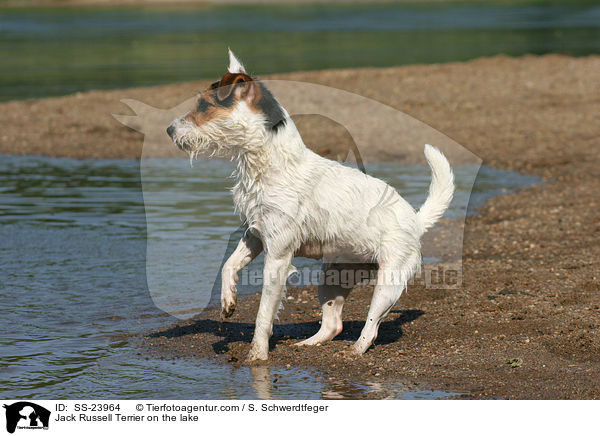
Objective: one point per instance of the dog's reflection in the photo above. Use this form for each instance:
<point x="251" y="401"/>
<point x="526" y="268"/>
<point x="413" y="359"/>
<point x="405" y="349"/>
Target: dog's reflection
<point x="262" y="382"/>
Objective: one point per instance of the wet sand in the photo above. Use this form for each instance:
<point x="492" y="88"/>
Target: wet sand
<point x="531" y="260"/>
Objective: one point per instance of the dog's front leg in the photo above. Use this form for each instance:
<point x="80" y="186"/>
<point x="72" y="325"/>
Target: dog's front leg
<point x="275" y="274"/>
<point x="248" y="248"/>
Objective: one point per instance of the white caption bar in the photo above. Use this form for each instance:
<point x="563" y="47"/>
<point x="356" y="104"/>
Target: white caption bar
<point x="158" y="417"/>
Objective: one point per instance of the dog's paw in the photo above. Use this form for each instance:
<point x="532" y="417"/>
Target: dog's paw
<point x="311" y="341"/>
<point x="258" y="352"/>
<point x="360" y="347"/>
<point x="228" y="305"/>
<point x="349" y="353"/>
<point x="324" y="335"/>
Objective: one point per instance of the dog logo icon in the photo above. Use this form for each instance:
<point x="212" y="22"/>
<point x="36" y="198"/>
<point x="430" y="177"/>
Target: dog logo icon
<point x="26" y="415"/>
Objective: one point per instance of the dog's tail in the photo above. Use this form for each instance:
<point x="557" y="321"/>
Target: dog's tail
<point x="441" y="188"/>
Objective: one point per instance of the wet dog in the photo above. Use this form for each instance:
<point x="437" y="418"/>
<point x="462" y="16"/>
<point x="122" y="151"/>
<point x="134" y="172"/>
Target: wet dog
<point x="297" y="203"/>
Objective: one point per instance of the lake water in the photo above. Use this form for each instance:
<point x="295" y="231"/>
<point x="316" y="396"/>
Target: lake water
<point x="63" y="50"/>
<point x="73" y="245"/>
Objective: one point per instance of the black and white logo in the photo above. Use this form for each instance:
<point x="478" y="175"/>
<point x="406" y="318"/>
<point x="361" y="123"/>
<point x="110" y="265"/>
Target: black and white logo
<point x="26" y="415"/>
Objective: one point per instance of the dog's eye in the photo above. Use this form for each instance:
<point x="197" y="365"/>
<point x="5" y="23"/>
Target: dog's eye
<point x="203" y="105"/>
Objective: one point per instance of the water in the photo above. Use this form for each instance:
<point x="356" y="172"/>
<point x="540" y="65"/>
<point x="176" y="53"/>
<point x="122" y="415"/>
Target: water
<point x="73" y="276"/>
<point x="59" y="51"/>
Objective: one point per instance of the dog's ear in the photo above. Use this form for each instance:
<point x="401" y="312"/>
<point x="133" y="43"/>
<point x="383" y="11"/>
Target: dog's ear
<point x="229" y="82"/>
<point x="235" y="66"/>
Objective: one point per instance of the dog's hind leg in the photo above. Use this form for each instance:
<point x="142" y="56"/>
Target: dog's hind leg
<point x="332" y="298"/>
<point x="249" y="247"/>
<point x="275" y="275"/>
<point x="391" y="281"/>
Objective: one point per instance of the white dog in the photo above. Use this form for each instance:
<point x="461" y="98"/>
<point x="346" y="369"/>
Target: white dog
<point x="297" y="203"/>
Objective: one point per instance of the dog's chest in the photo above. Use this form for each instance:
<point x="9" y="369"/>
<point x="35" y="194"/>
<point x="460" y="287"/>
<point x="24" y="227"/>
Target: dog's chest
<point x="247" y="205"/>
<point x="250" y="204"/>
<point x="262" y="206"/>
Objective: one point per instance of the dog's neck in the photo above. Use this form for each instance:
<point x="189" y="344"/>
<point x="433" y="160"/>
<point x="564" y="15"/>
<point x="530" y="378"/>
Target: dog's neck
<point x="280" y="151"/>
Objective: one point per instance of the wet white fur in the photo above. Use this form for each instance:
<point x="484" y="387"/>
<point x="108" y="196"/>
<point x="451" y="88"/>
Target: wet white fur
<point x="296" y="201"/>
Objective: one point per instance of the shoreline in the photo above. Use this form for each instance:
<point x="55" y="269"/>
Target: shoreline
<point x="531" y="288"/>
<point x="81" y="125"/>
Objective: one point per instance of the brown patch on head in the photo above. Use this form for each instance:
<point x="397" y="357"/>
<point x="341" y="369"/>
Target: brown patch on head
<point x="218" y="100"/>
<point x="205" y="116"/>
<point x="228" y="84"/>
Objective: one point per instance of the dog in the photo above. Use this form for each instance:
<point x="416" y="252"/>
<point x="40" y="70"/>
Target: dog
<point x="297" y="203"/>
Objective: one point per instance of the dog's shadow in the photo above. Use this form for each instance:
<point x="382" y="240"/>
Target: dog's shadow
<point x="232" y="332"/>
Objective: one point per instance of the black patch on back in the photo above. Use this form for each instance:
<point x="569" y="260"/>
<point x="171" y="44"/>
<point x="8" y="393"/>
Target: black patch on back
<point x="272" y="109"/>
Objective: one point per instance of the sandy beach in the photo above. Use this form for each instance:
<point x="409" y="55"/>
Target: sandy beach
<point x="531" y="260"/>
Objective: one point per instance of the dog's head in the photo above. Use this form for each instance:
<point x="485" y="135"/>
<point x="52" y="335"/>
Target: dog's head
<point x="233" y="115"/>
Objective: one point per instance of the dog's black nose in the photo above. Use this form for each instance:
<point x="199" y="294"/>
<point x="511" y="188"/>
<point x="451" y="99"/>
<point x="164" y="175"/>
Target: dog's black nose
<point x="170" y="131"/>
